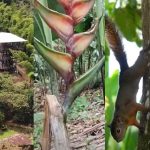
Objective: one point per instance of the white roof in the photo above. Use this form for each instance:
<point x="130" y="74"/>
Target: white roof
<point x="10" y="38"/>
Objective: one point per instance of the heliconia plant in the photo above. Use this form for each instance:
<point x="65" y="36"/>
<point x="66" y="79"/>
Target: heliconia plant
<point x="76" y="43"/>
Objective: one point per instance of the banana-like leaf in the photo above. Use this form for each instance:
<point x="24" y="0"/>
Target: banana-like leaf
<point x="80" y="9"/>
<point x="61" y="62"/>
<point x="79" y="42"/>
<point x="78" y="85"/>
<point x="60" y="23"/>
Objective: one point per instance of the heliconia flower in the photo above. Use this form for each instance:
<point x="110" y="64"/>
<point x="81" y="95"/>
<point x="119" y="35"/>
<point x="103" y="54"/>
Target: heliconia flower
<point x="77" y="9"/>
<point x="80" y="9"/>
<point x="61" y="62"/>
<point x="60" y="23"/>
<point x="79" y="42"/>
<point x="66" y="4"/>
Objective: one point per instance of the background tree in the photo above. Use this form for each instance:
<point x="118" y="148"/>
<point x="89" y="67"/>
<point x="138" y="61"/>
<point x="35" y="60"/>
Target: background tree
<point x="15" y="18"/>
<point x="144" y="138"/>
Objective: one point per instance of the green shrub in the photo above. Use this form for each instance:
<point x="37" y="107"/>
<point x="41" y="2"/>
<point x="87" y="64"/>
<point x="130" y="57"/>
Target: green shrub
<point x="24" y="60"/>
<point x="30" y="49"/>
<point x="26" y="64"/>
<point x="19" y="56"/>
<point x="16" y="99"/>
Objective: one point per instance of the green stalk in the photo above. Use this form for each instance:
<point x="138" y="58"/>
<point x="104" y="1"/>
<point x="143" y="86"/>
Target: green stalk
<point x="48" y="39"/>
<point x="40" y="27"/>
<point x="99" y="13"/>
<point x="101" y="35"/>
<point x="78" y="85"/>
<point x="47" y="30"/>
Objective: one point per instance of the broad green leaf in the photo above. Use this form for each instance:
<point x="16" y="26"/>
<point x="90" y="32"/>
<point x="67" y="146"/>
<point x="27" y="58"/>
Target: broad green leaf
<point x="60" y="23"/>
<point x="127" y="20"/>
<point x="79" y="42"/>
<point x="78" y="85"/>
<point x="110" y="95"/>
<point x="61" y="62"/>
<point x="132" y="133"/>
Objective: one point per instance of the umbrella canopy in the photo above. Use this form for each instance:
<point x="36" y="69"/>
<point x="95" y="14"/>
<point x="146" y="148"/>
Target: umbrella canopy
<point x="10" y="38"/>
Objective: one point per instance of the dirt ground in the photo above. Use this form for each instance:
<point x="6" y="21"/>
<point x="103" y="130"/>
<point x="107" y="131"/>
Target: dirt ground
<point x="16" y="142"/>
<point x="87" y="135"/>
<point x="86" y="130"/>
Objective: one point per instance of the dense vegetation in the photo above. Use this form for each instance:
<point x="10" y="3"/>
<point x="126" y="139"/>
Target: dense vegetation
<point x="15" y="100"/>
<point x="17" y="21"/>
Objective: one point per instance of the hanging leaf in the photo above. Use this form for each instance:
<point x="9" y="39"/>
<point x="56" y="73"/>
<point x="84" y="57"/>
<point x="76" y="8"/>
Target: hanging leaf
<point x="61" y="62"/>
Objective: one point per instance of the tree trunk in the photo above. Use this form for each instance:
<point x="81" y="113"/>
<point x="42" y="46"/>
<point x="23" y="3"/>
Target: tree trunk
<point x="57" y="125"/>
<point x="144" y="138"/>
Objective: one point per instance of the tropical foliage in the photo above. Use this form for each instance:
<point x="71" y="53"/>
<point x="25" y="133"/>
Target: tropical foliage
<point x="127" y="17"/>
